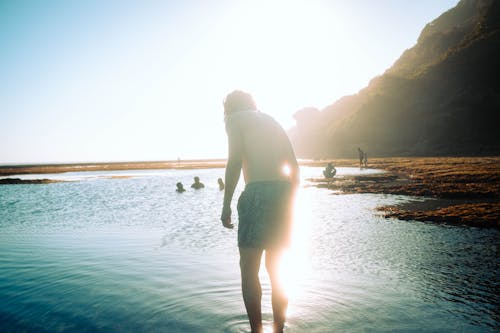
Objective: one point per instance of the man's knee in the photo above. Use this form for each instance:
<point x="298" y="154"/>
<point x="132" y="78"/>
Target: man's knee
<point x="250" y="263"/>
<point x="270" y="265"/>
<point x="273" y="260"/>
<point x="245" y="266"/>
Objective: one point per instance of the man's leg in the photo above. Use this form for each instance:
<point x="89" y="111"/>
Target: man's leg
<point x="250" y="285"/>
<point x="279" y="297"/>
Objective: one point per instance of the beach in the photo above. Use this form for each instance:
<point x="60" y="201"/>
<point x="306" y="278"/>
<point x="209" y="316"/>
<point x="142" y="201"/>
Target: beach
<point x="7" y="170"/>
<point x="456" y="190"/>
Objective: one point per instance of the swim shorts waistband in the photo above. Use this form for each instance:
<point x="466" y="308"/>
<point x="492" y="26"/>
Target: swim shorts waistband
<point x="267" y="182"/>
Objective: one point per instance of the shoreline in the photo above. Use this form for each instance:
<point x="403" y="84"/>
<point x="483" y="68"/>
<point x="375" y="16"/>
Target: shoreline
<point x="26" y="169"/>
<point x="455" y="190"/>
<point x="9" y="170"/>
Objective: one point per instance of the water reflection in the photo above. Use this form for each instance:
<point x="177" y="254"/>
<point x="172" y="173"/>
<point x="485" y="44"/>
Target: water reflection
<point x="130" y="255"/>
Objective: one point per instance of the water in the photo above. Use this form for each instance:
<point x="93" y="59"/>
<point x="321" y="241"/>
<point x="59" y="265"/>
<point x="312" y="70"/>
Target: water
<point x="101" y="254"/>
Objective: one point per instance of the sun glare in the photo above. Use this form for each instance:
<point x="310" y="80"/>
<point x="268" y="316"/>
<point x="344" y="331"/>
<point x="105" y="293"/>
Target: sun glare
<point x="286" y="170"/>
<point x="272" y="49"/>
<point x="294" y="267"/>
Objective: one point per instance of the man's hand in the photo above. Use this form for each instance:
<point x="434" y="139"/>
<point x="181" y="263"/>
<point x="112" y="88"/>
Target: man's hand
<point x="226" y="218"/>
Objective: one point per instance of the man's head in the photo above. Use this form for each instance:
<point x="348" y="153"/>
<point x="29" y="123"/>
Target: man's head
<point x="197" y="179"/>
<point x="238" y="101"/>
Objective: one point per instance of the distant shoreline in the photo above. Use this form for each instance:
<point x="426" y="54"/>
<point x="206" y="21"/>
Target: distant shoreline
<point x="24" y="169"/>
<point x="9" y="170"/>
<point x="464" y="190"/>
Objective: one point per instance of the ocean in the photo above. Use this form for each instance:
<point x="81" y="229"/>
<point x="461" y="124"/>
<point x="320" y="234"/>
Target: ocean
<point x="122" y="251"/>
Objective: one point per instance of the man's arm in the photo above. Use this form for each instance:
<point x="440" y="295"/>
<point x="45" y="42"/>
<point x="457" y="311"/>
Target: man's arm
<point x="233" y="171"/>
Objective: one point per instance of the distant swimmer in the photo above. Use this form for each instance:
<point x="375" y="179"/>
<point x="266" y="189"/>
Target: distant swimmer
<point x="197" y="184"/>
<point x="180" y="187"/>
<point x="329" y="171"/>
<point x="221" y="184"/>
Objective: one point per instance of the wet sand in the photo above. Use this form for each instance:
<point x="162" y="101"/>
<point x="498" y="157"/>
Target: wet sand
<point x="459" y="190"/>
<point x="8" y="170"/>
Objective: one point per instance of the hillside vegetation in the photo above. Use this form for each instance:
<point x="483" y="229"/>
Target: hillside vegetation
<point x="440" y="98"/>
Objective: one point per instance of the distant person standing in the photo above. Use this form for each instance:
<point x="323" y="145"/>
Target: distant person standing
<point x="365" y="159"/>
<point x="259" y="146"/>
<point x="197" y="184"/>
<point x="361" y="157"/>
<point x="221" y="184"/>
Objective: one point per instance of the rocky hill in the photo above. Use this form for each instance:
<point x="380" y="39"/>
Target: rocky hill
<point x="440" y="98"/>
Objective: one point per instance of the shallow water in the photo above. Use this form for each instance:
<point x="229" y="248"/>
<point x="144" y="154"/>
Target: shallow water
<point x="131" y="255"/>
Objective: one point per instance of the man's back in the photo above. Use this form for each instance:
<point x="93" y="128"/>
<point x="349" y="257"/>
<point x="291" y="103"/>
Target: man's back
<point x="265" y="147"/>
<point x="259" y="146"/>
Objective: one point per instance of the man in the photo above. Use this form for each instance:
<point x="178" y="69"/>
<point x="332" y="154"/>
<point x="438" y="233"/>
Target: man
<point x="361" y="156"/>
<point x="221" y="184"/>
<point x="197" y="184"/>
<point x="180" y="187"/>
<point x="259" y="146"/>
<point x="329" y="171"/>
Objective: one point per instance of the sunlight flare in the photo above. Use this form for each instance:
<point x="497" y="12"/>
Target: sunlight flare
<point x="295" y="264"/>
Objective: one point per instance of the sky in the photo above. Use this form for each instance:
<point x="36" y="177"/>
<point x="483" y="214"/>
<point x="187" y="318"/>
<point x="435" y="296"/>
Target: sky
<point x="121" y="80"/>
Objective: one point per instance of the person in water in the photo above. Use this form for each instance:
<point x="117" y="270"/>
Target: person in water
<point x="329" y="171"/>
<point x="221" y="184"/>
<point x="259" y="146"/>
<point x="197" y="184"/>
<point x="180" y="187"/>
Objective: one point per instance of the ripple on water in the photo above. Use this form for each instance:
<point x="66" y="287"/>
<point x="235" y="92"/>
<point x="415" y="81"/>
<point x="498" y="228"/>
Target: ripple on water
<point x="238" y="324"/>
<point x="133" y="255"/>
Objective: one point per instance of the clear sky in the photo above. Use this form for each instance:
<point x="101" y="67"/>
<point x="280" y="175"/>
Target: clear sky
<point x="119" y="80"/>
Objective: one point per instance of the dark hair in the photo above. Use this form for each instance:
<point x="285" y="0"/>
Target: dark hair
<point x="238" y="101"/>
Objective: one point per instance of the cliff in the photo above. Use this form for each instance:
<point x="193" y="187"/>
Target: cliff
<point x="440" y="98"/>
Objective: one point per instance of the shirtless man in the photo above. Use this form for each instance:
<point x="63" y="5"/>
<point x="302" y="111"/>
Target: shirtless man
<point x="259" y="146"/>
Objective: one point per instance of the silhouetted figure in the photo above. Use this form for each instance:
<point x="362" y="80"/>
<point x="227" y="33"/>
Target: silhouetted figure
<point x="361" y="157"/>
<point x="365" y="159"/>
<point x="197" y="184"/>
<point x="265" y="206"/>
<point x="180" y="187"/>
<point x="329" y="171"/>
<point x="221" y="184"/>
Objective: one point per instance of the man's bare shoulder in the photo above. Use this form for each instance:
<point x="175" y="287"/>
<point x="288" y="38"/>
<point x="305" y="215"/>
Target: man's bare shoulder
<point x="250" y="117"/>
<point x="234" y="117"/>
<point x="239" y="115"/>
<point x="241" y="119"/>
